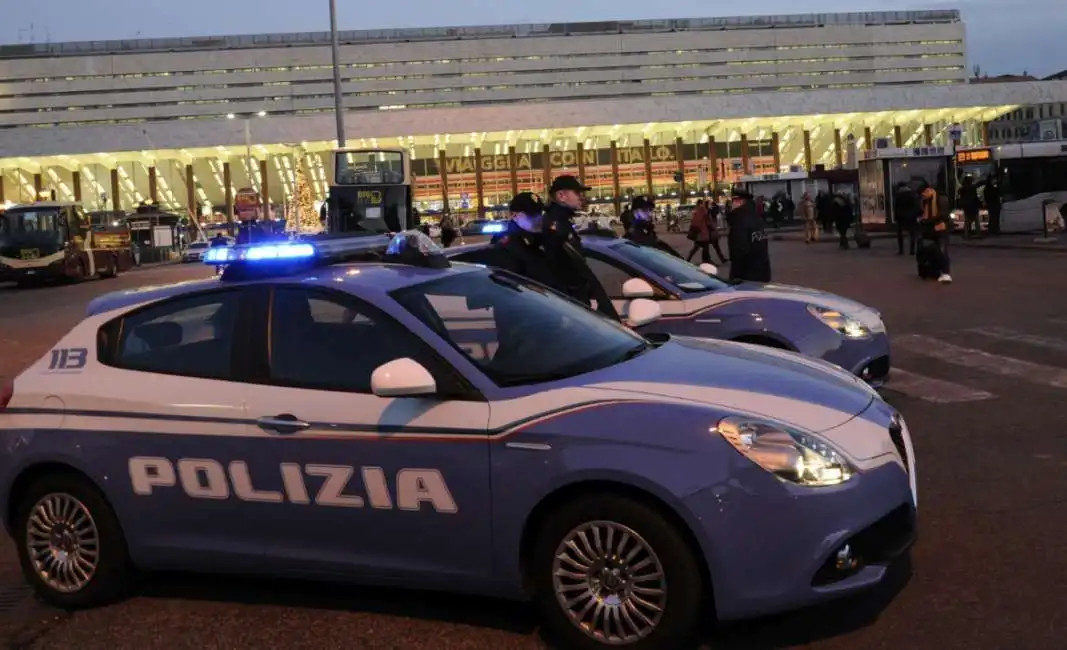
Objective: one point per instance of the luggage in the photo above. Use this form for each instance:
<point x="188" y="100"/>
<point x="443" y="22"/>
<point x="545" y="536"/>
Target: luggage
<point x="863" y="240"/>
<point x="930" y="259"/>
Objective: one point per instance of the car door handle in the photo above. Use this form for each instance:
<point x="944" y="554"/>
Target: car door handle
<point x="284" y="423"/>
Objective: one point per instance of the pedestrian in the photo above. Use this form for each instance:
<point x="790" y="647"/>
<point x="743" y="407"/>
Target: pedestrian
<point x="807" y="213"/>
<point x="971" y="206"/>
<point x="448" y="228"/>
<point x="749" y="251"/>
<point x="626" y="218"/>
<point x="906" y="212"/>
<point x="991" y="195"/>
<point x="700" y="233"/>
<point x="842" y="218"/>
<point x="715" y="223"/>
<point x="937" y="228"/>
<point x="563" y="246"/>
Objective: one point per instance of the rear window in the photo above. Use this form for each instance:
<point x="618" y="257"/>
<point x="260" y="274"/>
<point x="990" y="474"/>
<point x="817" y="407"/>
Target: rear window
<point x="199" y="244"/>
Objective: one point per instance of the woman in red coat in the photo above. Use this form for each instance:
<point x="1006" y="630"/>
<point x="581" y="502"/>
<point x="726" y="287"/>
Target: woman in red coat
<point x="700" y="233"/>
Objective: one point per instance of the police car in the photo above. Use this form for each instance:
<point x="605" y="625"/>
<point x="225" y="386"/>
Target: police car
<point x="303" y="416"/>
<point x="695" y="302"/>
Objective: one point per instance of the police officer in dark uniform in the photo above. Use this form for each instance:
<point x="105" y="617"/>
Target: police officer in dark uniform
<point x="642" y="229"/>
<point x="519" y="248"/>
<point x="563" y="246"/>
<point x="750" y="258"/>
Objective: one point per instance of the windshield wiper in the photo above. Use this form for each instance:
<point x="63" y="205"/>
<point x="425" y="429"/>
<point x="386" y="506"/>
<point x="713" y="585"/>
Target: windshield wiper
<point x="636" y="351"/>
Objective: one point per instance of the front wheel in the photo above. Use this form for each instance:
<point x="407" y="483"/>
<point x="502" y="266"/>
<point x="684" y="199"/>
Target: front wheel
<point x="71" y="546"/>
<point x="610" y="571"/>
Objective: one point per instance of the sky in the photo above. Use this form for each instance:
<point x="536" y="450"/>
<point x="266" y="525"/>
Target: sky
<point x="1004" y="36"/>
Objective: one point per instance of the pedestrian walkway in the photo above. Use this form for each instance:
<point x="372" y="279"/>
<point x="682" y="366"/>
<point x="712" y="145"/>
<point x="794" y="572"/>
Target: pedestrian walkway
<point x="970" y="365"/>
<point x="1009" y="242"/>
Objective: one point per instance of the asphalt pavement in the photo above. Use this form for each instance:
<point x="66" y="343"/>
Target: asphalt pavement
<point x="981" y="377"/>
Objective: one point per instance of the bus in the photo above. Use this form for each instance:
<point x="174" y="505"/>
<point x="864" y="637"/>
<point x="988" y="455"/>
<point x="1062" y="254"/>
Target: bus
<point x="54" y="240"/>
<point x="371" y="192"/>
<point x="1033" y="185"/>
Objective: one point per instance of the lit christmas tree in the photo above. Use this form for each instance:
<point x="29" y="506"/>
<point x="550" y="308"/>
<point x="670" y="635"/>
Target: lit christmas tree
<point x="302" y="215"/>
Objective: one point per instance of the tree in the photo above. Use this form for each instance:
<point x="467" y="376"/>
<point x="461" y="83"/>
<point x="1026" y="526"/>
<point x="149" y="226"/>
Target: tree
<point x="302" y="215"/>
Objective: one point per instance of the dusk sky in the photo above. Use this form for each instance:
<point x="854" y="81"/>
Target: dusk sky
<point x="1004" y="36"/>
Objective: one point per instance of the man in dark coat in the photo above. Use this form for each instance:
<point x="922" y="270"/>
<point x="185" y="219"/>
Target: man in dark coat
<point x="906" y="211"/>
<point x="750" y="258"/>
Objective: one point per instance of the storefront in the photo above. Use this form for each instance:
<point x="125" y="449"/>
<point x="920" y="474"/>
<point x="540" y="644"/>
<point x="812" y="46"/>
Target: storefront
<point x="673" y="172"/>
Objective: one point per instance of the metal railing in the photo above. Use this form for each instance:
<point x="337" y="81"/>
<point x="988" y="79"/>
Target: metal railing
<point x="143" y="45"/>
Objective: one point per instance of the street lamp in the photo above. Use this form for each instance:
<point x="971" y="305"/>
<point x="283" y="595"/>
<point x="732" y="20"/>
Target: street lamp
<point x="338" y="104"/>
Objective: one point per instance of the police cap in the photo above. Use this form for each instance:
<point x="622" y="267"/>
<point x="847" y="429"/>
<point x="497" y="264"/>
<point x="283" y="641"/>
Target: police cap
<point x="568" y="182"/>
<point x="527" y="203"/>
<point x="643" y="202"/>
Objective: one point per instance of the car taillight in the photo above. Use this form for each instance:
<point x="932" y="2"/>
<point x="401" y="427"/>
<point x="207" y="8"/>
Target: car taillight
<point x="6" y="393"/>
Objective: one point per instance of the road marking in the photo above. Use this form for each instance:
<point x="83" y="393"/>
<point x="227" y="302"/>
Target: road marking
<point x="933" y="390"/>
<point x="1008" y="334"/>
<point x="980" y="360"/>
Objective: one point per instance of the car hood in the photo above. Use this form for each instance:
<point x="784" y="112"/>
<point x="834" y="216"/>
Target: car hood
<point x="869" y="316"/>
<point x="738" y="377"/>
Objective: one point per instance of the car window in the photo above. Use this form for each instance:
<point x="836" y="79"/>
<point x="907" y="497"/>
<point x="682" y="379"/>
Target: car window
<point x="332" y="342"/>
<point x="192" y="337"/>
<point x="678" y="272"/>
<point x="610" y="276"/>
<point x="516" y="332"/>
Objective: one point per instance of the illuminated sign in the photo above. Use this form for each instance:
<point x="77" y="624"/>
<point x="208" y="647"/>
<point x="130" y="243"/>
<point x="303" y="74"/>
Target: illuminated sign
<point x="374" y="197"/>
<point x="973" y="156"/>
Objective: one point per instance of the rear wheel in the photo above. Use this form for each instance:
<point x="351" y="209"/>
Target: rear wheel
<point x="610" y="571"/>
<point x="71" y="546"/>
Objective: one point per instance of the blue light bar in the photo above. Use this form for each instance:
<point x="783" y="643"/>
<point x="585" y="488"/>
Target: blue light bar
<point x="493" y="228"/>
<point x="322" y="250"/>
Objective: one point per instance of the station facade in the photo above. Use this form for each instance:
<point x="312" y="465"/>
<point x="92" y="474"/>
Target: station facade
<point x="667" y="107"/>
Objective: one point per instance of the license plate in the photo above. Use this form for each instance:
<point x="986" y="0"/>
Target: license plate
<point x="29" y="253"/>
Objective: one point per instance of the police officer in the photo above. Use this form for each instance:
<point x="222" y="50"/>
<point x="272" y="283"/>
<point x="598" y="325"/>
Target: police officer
<point x="642" y="229"/>
<point x="519" y="248"/>
<point x="750" y="258"/>
<point x="563" y="246"/>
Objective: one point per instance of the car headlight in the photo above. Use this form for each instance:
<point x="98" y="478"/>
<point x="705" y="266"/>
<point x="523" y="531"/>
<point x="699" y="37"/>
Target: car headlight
<point x="791" y="455"/>
<point x="845" y="325"/>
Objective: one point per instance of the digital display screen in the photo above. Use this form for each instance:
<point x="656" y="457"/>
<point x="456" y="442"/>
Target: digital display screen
<point x="974" y="156"/>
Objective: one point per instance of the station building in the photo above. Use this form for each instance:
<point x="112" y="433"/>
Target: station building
<point x="665" y="106"/>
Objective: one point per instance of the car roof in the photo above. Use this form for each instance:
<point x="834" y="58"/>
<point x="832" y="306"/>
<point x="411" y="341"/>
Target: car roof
<point x="590" y="241"/>
<point x="364" y="278"/>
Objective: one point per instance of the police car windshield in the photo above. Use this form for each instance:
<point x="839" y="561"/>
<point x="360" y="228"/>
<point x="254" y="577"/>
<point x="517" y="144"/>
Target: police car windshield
<point x="678" y="272"/>
<point x="518" y="333"/>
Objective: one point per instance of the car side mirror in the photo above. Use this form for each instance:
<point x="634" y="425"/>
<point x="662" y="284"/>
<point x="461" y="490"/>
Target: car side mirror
<point x="402" y="378"/>
<point x="637" y="288"/>
<point x="710" y="269"/>
<point x="643" y="312"/>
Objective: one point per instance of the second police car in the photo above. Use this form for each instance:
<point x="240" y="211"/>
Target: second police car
<point x="695" y="302"/>
<point x="311" y="419"/>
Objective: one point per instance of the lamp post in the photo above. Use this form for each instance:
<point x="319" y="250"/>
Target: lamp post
<point x="338" y="103"/>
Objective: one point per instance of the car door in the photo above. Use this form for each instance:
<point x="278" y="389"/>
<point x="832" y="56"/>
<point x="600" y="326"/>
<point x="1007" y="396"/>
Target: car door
<point x="389" y="489"/>
<point x="170" y="396"/>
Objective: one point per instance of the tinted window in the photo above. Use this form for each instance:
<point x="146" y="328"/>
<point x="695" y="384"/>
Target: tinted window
<point x="319" y="340"/>
<point x="677" y="271"/>
<point x="192" y="337"/>
<point x="610" y="276"/>
<point x="518" y="333"/>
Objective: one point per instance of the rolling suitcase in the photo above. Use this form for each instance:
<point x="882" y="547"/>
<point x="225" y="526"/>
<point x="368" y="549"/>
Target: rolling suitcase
<point x="929" y="258"/>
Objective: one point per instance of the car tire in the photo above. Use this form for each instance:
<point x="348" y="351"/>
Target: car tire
<point x="104" y="578"/>
<point x="561" y="601"/>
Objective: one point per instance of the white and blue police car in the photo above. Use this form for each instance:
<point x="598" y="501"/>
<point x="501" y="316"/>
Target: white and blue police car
<point x="411" y="422"/>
